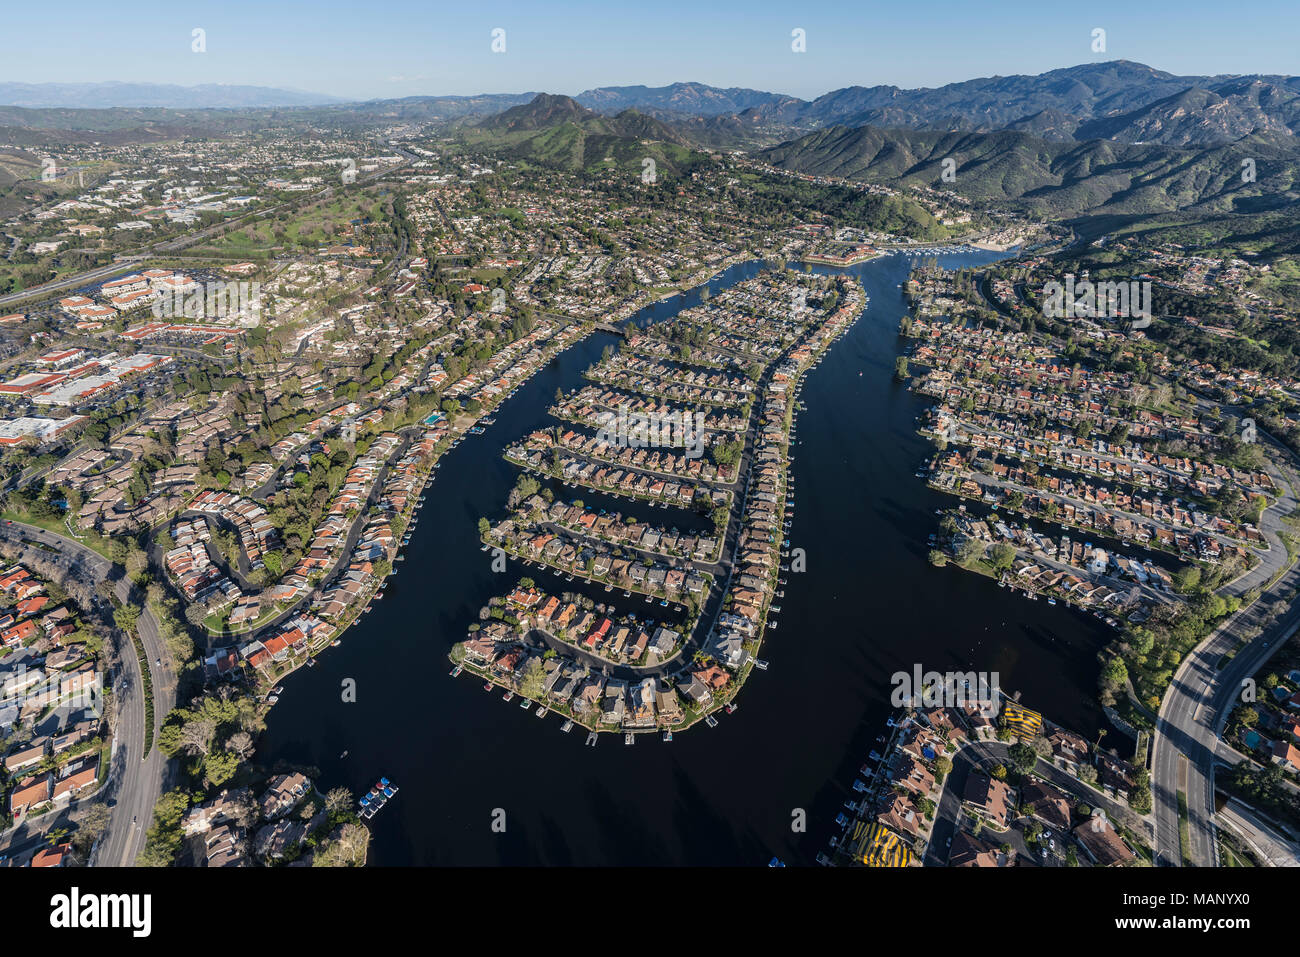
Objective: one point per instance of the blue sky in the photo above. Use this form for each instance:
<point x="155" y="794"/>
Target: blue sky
<point x="365" y="49"/>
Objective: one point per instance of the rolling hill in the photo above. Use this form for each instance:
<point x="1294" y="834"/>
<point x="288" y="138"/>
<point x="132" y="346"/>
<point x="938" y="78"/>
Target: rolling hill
<point x="557" y="130"/>
<point x="1055" y="178"/>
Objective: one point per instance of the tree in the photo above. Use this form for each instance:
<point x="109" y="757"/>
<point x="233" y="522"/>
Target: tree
<point x="338" y="801"/>
<point x="91" y="827"/>
<point x="1002" y="556"/>
<point x="942" y="768"/>
<point x="532" y="684"/>
<point x="1187" y="578"/>
<point x="345" y="847"/>
<point x="1023" y="756"/>
<point x="241" y="744"/>
<point x="220" y="766"/>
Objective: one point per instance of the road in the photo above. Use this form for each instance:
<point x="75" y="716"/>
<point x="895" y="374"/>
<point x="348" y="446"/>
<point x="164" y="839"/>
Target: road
<point x="1200" y="698"/>
<point x="133" y="784"/>
<point x="1270" y="846"/>
<point x="986" y="754"/>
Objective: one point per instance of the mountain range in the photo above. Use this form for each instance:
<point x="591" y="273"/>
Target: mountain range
<point x="1114" y="100"/>
<point x="1055" y="178"/>
<point x="1119" y="100"/>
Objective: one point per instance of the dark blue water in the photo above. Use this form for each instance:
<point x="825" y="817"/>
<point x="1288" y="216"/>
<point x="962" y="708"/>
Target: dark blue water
<point x="869" y="605"/>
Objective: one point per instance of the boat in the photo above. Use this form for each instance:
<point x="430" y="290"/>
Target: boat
<point x="668" y="736"/>
<point x="455" y="672"/>
<point x="732" y="707"/>
<point x="1051" y="601"/>
<point x="776" y="862"/>
<point x="375" y="799"/>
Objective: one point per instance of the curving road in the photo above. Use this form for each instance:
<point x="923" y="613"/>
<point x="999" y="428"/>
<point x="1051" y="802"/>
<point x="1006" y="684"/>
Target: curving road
<point x="1202" y="694"/>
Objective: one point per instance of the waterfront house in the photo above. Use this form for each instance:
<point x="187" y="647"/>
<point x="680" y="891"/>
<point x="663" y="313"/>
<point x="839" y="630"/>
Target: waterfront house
<point x="696" y="691"/>
<point x="283" y="793"/>
<point x="668" y="706"/>
<point x="1069" y="750"/>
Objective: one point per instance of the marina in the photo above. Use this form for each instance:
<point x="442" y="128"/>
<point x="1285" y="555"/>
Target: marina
<point x="856" y="494"/>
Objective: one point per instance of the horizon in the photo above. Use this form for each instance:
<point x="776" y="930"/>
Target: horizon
<point x="407" y="50"/>
<point x="337" y="101"/>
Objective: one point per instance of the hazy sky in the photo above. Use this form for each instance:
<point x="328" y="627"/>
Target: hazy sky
<point x="383" y="48"/>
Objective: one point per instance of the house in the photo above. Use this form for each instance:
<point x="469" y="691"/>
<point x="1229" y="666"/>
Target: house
<point x="1042" y="801"/>
<point x="1069" y="750"/>
<point x="969" y="851"/>
<point x="696" y="691"/>
<point x="668" y="706"/>
<point x="1101" y="842"/>
<point x="74" y="781"/>
<point x="897" y="812"/>
<point x="32" y="754"/>
<point x="200" y="818"/>
<point x="29" y="793"/>
<point x="283" y="793"/>
<point x="223" y="847"/>
<point x="1286" y="754"/>
<point x="1114" y="775"/>
<point x="988" y="797"/>
<point x="51" y="856"/>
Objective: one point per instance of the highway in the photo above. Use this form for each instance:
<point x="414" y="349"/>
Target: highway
<point x="1199" y="700"/>
<point x="133" y="785"/>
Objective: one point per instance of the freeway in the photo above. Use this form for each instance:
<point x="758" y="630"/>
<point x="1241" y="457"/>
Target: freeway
<point x="1192" y="716"/>
<point x="133" y="784"/>
<point x="1202" y="694"/>
<point x="75" y="281"/>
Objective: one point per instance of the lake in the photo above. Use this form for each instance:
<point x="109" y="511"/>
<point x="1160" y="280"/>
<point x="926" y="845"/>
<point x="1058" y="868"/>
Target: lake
<point x="869" y="605"/>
